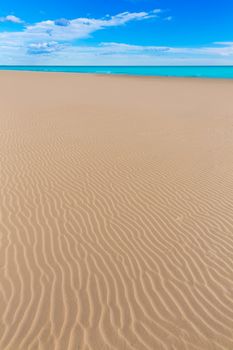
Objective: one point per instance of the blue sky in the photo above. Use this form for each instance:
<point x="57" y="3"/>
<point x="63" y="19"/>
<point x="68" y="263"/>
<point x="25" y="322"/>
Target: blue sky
<point x="123" y="32"/>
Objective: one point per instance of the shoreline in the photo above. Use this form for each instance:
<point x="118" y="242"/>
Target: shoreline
<point x="113" y="75"/>
<point x="105" y="72"/>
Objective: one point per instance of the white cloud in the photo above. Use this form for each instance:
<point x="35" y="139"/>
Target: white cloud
<point x="169" y="18"/>
<point x="156" y="11"/>
<point x="217" y="49"/>
<point x="44" y="48"/>
<point x="11" y="18"/>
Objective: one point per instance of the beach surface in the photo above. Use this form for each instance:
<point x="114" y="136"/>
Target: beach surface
<point x="116" y="213"/>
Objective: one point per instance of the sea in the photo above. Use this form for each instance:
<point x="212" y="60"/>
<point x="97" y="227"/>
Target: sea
<point x="219" y="72"/>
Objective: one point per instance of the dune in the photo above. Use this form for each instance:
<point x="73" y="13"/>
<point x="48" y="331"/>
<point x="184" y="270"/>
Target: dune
<point x="116" y="212"/>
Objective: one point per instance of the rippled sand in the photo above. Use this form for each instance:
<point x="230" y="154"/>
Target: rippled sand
<point x="116" y="213"/>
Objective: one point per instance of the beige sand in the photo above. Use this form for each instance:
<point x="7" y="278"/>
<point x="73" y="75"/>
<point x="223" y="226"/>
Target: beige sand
<point x="116" y="213"/>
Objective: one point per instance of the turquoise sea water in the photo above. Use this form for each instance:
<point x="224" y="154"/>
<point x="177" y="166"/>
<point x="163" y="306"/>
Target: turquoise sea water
<point x="225" y="72"/>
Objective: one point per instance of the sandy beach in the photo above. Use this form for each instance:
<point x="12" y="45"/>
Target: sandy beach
<point x="116" y="212"/>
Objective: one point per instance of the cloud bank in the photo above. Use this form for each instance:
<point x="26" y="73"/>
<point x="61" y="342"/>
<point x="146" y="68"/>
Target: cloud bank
<point x="64" y="30"/>
<point x="56" y="42"/>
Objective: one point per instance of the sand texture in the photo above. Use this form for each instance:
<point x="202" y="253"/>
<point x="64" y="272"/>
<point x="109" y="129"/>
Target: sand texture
<point x="116" y="228"/>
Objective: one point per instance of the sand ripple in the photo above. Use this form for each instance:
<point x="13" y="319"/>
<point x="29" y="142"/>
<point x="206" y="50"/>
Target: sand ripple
<point x="116" y="213"/>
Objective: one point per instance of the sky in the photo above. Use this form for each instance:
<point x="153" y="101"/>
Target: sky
<point x="116" y="32"/>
